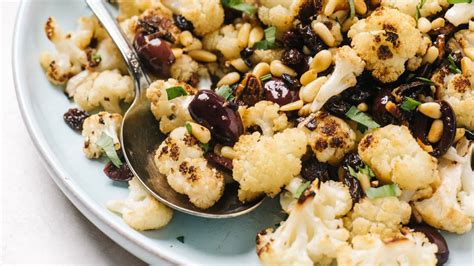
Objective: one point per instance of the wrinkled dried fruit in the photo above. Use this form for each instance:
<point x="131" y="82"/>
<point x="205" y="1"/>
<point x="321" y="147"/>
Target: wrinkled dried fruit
<point x="122" y="173"/>
<point x="75" y="117"/>
<point x="353" y="161"/>
<point x="292" y="57"/>
<point x="337" y="106"/>
<point x="292" y="39"/>
<point x="249" y="91"/>
<point x="182" y="23"/>
<point x="310" y="38"/>
<point x="312" y="169"/>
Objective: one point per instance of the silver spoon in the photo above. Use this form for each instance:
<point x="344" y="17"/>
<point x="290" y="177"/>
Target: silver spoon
<point x="141" y="136"/>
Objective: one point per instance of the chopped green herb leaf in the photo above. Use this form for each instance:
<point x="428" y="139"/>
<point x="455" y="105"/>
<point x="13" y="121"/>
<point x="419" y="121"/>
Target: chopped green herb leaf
<point x="266" y="77"/>
<point x="204" y="147"/>
<point x="452" y="2"/>
<point x="189" y="128"/>
<point x="361" y="128"/>
<point x="174" y="92"/>
<point x="301" y="189"/>
<point x="225" y="92"/>
<point x="383" y="191"/>
<point x="180" y="239"/>
<point x="239" y="5"/>
<point x="96" y="58"/>
<point x="425" y="80"/>
<point x="351" y="8"/>
<point x="269" y="42"/>
<point x="410" y="76"/>
<point x="409" y="104"/>
<point x="106" y="143"/>
<point x="418" y="7"/>
<point x="367" y="171"/>
<point x="361" y="118"/>
<point x="452" y="65"/>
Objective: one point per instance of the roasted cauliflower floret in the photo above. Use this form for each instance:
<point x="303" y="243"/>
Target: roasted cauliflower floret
<point x="109" y="57"/>
<point x="383" y="216"/>
<point x="182" y="161"/>
<point x="407" y="249"/>
<point x="460" y="13"/>
<point x="386" y="40"/>
<point x="280" y="14"/>
<point x="171" y="113"/>
<point x="265" y="115"/>
<point x="93" y="128"/>
<point x="395" y="156"/>
<point x="206" y="15"/>
<point x="264" y="164"/>
<point x="348" y="67"/>
<point x="331" y="139"/>
<point x="466" y="195"/>
<point x="130" y="8"/>
<point x="184" y="68"/>
<point x="409" y="7"/>
<point x="313" y="233"/>
<point x="225" y="41"/>
<point x="140" y="210"/>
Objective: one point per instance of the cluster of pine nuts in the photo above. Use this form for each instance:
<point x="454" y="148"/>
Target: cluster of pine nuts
<point x="309" y="91"/>
<point x="324" y="33"/>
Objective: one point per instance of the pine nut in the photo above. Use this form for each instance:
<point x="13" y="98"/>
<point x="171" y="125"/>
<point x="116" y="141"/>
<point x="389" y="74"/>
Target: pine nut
<point x="309" y="92"/>
<point x="360" y="7"/>
<point x="177" y="52"/>
<point x="195" y="45"/>
<point x="363" y="107"/>
<point x="308" y="76"/>
<point x="202" y="56"/>
<point x="305" y="110"/>
<point x="277" y="68"/>
<point x="471" y="25"/>
<point x="330" y="7"/>
<point x="228" y="152"/>
<point x="431" y="109"/>
<point x="469" y="51"/>
<point x="460" y="132"/>
<point x="436" y="131"/>
<point x="346" y="26"/>
<point x="424" y="25"/>
<point x="321" y="61"/>
<point x="239" y="64"/>
<point x="256" y="35"/>
<point x="243" y="35"/>
<point x="425" y="147"/>
<point x="292" y="106"/>
<point x="200" y="133"/>
<point x="466" y="65"/>
<point x="431" y="55"/>
<point x="339" y="15"/>
<point x="229" y="79"/>
<point x="186" y="38"/>
<point x="261" y="69"/>
<point x="375" y="3"/>
<point x="438" y="23"/>
<point x="324" y="33"/>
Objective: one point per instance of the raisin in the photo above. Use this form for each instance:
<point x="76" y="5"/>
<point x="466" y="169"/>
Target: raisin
<point x="247" y="53"/>
<point x="312" y="169"/>
<point x="337" y="106"/>
<point x="75" y="117"/>
<point x="292" y="39"/>
<point x="183" y="23"/>
<point x="310" y="38"/>
<point x="292" y="57"/>
<point x="293" y="83"/>
<point x="122" y="173"/>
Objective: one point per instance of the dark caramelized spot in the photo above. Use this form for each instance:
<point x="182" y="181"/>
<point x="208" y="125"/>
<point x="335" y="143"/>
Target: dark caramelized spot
<point x="384" y="52"/>
<point x="366" y="142"/>
<point x="329" y="128"/>
<point x="321" y="144"/>
<point x="174" y="152"/>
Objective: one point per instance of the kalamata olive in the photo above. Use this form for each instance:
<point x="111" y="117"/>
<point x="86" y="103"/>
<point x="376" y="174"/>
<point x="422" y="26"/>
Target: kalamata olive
<point x="337" y="106"/>
<point x="292" y="39"/>
<point x="435" y="237"/>
<point x="75" y="117"/>
<point x="364" y="89"/>
<point x="211" y="110"/>
<point x="122" y="173"/>
<point x="447" y="30"/>
<point x="219" y="161"/>
<point x="183" y="23"/>
<point x="312" y="169"/>
<point x="380" y="113"/>
<point x="247" y="53"/>
<point x="292" y="57"/>
<point x="310" y="38"/>
<point x="277" y="91"/>
<point x="249" y="91"/>
<point x="353" y="161"/>
<point x="154" y="53"/>
<point x="293" y="83"/>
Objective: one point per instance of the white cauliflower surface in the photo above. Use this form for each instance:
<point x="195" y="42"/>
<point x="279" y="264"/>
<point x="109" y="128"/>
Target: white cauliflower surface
<point x="130" y="8"/>
<point x="171" y="113"/>
<point x="348" y="67"/>
<point x="460" y="13"/>
<point x="409" y="7"/>
<point x="182" y="161"/>
<point x="140" y="210"/>
<point x="314" y="231"/>
<point x="385" y="41"/>
<point x="265" y="115"/>
<point x="93" y="128"/>
<point x="279" y="14"/>
<point x="264" y="164"/>
<point x="225" y="41"/>
<point x="465" y="149"/>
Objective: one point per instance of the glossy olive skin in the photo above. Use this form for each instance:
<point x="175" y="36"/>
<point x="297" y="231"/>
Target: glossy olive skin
<point x="213" y="112"/>
<point x="380" y="113"/>
<point x="154" y="53"/>
<point x="277" y="91"/>
<point x="435" y="237"/>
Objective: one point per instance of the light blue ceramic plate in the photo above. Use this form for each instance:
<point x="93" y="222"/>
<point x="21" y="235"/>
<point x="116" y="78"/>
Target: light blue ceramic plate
<point x="230" y="241"/>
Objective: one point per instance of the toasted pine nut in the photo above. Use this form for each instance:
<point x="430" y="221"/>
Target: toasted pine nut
<point x="471" y="25"/>
<point x="466" y="65"/>
<point x="431" y="55"/>
<point x="186" y="38"/>
<point x="202" y="56"/>
<point x="363" y="107"/>
<point x="324" y="33"/>
<point x="430" y="109"/>
<point x="256" y="35"/>
<point x="200" y="133"/>
<point x="228" y="152"/>
<point x="239" y="64"/>
<point x="177" y="52"/>
<point x="436" y="131"/>
<point x="229" y="79"/>
<point x="425" y="147"/>
<point x="308" y="76"/>
<point x="424" y="25"/>
<point x="195" y="45"/>
<point x="292" y="106"/>
<point x="347" y="24"/>
<point x="243" y="35"/>
<point x="469" y="51"/>
<point x="460" y="132"/>
<point x="305" y="110"/>
<point x="277" y="68"/>
<point x="261" y="69"/>
<point x="330" y="7"/>
<point x="321" y="61"/>
<point x="309" y="92"/>
<point x="360" y="7"/>
<point x="438" y="23"/>
<point x="375" y="3"/>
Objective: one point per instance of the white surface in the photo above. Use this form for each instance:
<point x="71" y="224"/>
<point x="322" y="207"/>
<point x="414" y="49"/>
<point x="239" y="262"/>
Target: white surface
<point x="38" y="223"/>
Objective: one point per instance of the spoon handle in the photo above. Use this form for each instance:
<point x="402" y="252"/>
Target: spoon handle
<point x="125" y="48"/>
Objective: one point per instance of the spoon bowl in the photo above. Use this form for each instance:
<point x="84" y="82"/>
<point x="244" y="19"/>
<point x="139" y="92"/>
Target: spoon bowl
<point x="141" y="136"/>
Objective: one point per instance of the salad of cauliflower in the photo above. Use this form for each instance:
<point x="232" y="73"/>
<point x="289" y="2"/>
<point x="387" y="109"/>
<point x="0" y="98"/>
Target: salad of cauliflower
<point x="357" y="115"/>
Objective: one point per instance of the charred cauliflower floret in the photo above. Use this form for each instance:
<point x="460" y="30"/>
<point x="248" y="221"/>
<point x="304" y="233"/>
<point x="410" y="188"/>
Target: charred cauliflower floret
<point x="279" y="14"/>
<point x="406" y="249"/>
<point x="264" y="164"/>
<point x="184" y="68"/>
<point x="108" y="56"/>
<point x="409" y="7"/>
<point x="225" y="41"/>
<point x="171" y="113"/>
<point x="182" y="161"/>
<point x="331" y="139"/>
<point x="130" y="8"/>
<point x="465" y="149"/>
<point x="93" y="128"/>
<point x="460" y="13"/>
<point x="348" y="67"/>
<point x="140" y="210"/>
<point x="265" y="115"/>
<point x="383" y="216"/>
<point x="101" y="89"/>
<point x="395" y="156"/>
<point x="386" y="40"/>
<point x="314" y="231"/>
<point x="206" y="15"/>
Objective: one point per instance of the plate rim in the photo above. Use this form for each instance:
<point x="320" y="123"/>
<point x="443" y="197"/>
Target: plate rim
<point x="74" y="194"/>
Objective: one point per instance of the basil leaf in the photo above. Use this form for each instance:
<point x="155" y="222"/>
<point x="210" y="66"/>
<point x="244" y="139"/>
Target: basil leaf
<point x="452" y="65"/>
<point x="452" y="2"/>
<point x="352" y="172"/>
<point x="425" y="80"/>
<point x="204" y="147"/>
<point x="351" y="8"/>
<point x="180" y="239"/>
<point x="106" y="143"/>
<point x="409" y="104"/>
<point x="225" y="92"/>
<point x="266" y="77"/>
<point x="302" y="189"/>
<point x="391" y="190"/>
<point x="418" y="7"/>
<point x="269" y="42"/>
<point x="366" y="170"/>
<point x="361" y="118"/>
<point x="174" y="92"/>
<point x="240" y="6"/>
<point x="189" y="128"/>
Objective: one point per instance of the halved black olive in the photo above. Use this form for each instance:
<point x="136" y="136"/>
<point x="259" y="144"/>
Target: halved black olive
<point x="435" y="237"/>
<point x="276" y="90"/>
<point x="219" y="161"/>
<point x="154" y="53"/>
